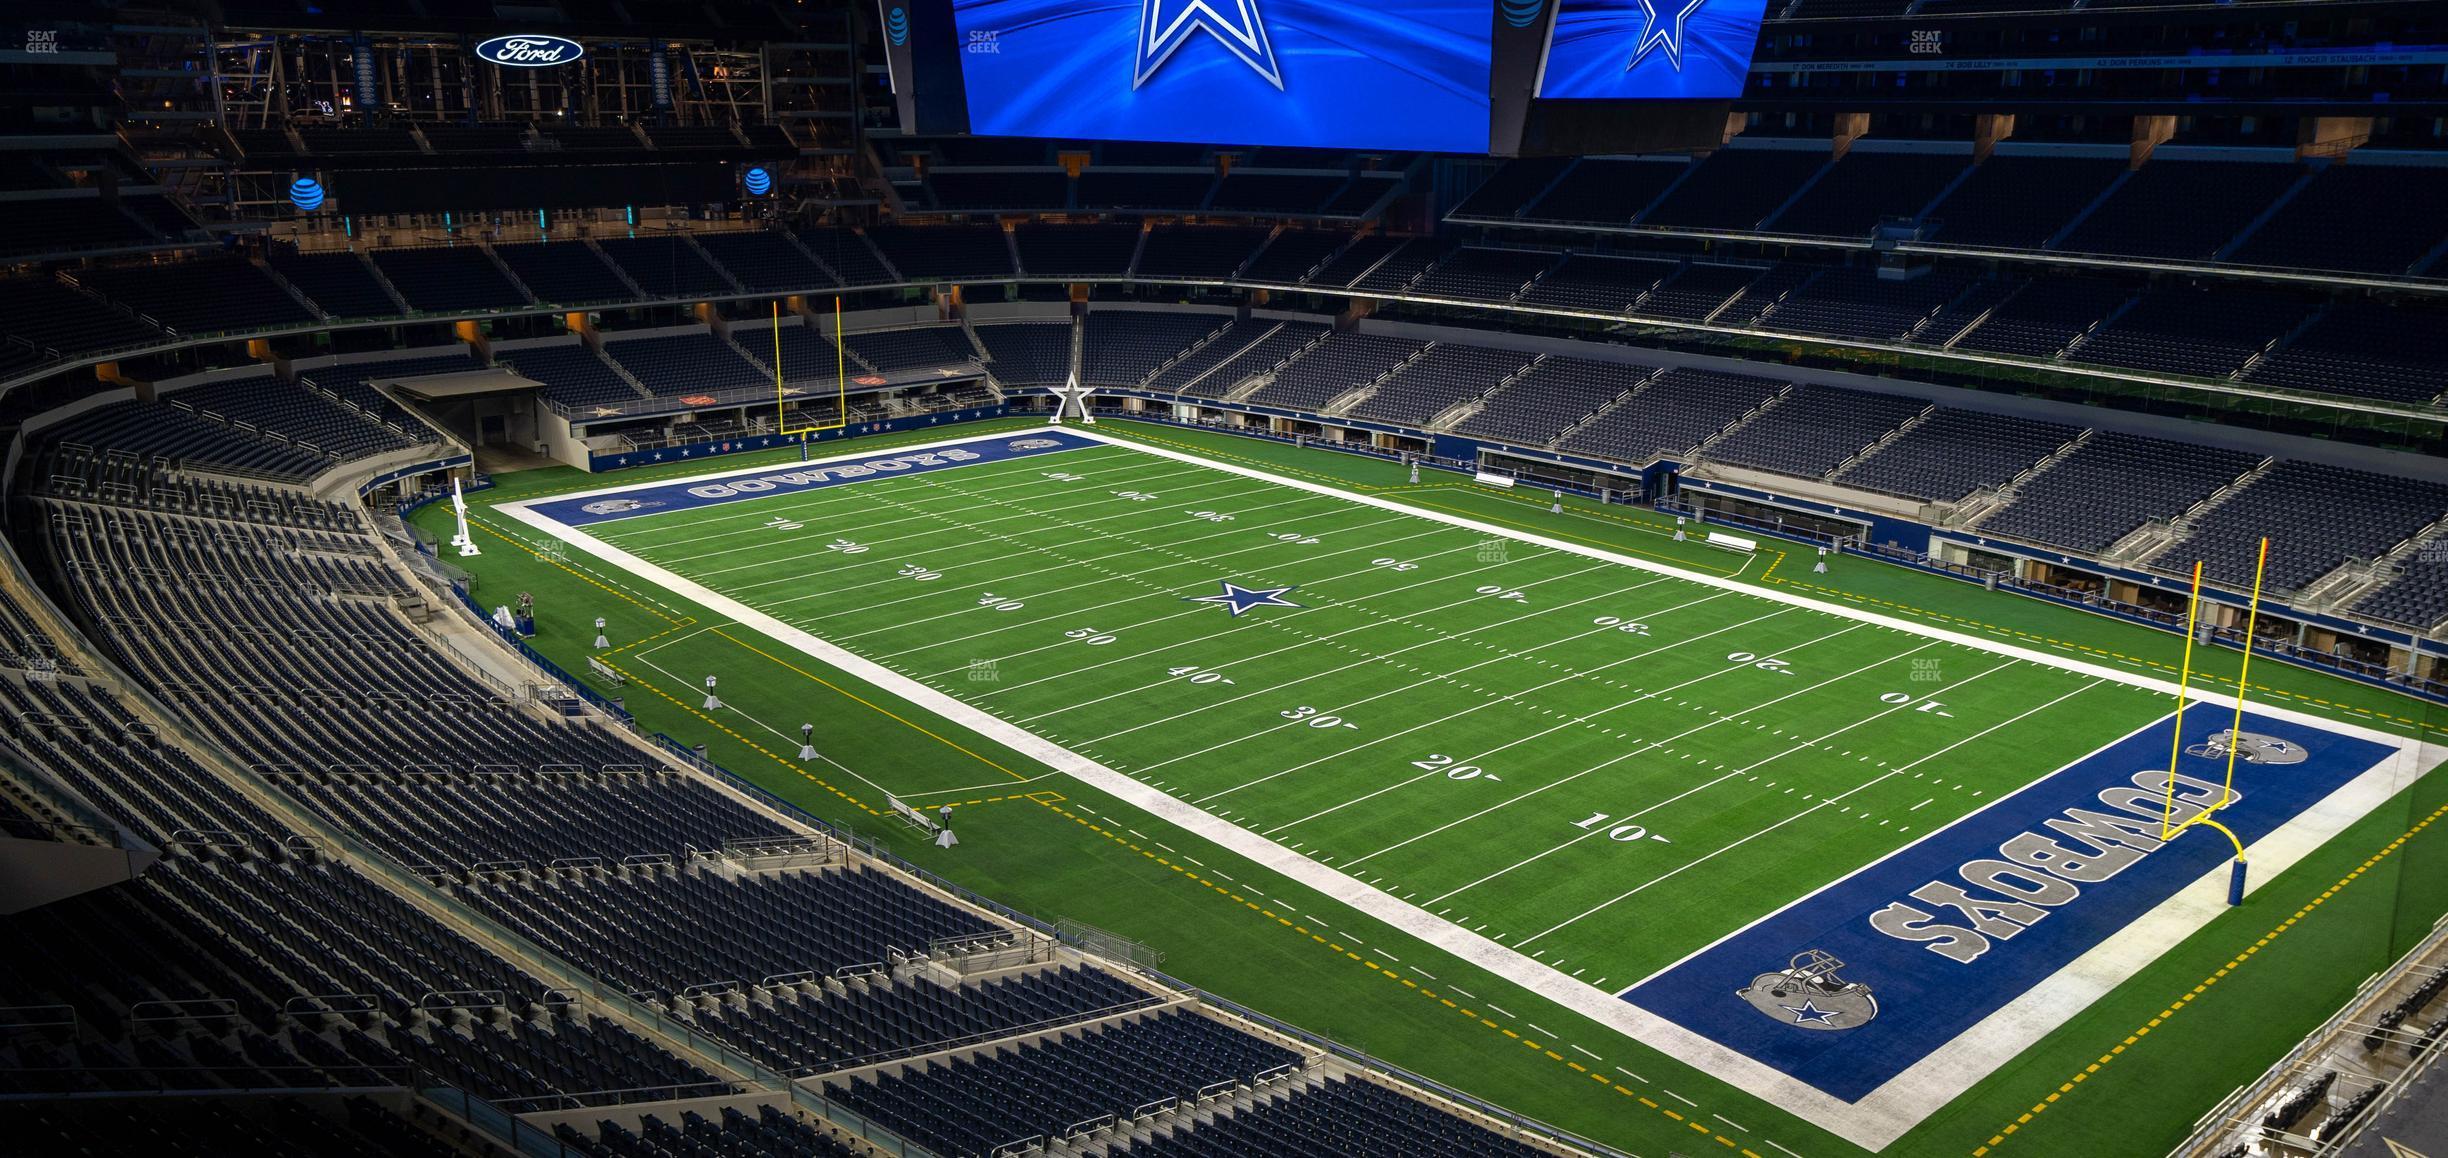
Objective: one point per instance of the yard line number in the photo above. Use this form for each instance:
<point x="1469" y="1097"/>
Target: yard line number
<point x="1626" y="833"/>
<point x="1314" y="718"/>
<point x="1762" y="662"/>
<point x="1455" y="770"/>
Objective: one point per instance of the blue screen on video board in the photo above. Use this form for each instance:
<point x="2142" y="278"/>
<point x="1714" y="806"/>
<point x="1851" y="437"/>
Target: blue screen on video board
<point x="1323" y="73"/>
<point x="1650" y="49"/>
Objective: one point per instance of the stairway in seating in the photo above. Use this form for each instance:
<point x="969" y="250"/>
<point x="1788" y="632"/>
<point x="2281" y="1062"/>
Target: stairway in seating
<point x="1699" y="449"/>
<point x="1987" y="501"/>
<point x="1460" y="412"/>
<point x="1884" y="441"/>
<point x="2155" y="538"/>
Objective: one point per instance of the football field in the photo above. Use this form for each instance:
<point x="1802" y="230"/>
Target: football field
<point x="1582" y="764"/>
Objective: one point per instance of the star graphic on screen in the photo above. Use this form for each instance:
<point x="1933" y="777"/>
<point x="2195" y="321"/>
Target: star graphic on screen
<point x="1809" y="1014"/>
<point x="1669" y="37"/>
<point x="1165" y="24"/>
<point x="1241" y="599"/>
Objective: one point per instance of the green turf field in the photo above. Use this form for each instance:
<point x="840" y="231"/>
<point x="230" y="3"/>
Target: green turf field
<point x="1553" y="750"/>
<point x="1562" y="753"/>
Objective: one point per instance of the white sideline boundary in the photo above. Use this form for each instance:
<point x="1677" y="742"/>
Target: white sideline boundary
<point x="1880" y="1117"/>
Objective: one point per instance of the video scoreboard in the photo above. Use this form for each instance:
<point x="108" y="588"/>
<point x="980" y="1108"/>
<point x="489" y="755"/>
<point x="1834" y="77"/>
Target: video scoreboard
<point x="1456" y="76"/>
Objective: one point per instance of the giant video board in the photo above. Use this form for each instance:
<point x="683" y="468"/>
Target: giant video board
<point x="1322" y="73"/>
<point x="1650" y="49"/>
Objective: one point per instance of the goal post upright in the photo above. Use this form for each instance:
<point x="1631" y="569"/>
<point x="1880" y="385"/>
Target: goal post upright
<point x="841" y="379"/>
<point x="2252" y="621"/>
<point x="2184" y="681"/>
<point x="2208" y="816"/>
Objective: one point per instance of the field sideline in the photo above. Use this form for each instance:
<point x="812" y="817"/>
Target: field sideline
<point x="1789" y="762"/>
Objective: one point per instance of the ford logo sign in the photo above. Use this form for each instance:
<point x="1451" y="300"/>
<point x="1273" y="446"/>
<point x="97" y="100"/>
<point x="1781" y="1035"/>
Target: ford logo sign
<point x="530" y="51"/>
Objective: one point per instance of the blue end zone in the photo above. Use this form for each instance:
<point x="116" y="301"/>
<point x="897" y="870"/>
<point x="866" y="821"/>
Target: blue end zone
<point x="1945" y="932"/>
<point x="658" y="498"/>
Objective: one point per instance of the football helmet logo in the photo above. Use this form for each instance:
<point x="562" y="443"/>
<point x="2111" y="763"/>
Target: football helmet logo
<point x="1808" y="994"/>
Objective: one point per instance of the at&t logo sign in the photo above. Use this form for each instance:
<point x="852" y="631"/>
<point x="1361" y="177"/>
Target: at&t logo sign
<point x="530" y="51"/>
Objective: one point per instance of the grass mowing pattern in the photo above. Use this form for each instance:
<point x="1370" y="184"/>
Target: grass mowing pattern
<point x="1600" y="766"/>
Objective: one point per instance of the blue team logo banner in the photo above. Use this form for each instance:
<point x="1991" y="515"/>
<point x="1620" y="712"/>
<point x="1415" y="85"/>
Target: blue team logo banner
<point x="651" y="498"/>
<point x="1230" y="72"/>
<point x="1651" y="49"/>
<point x="1852" y="985"/>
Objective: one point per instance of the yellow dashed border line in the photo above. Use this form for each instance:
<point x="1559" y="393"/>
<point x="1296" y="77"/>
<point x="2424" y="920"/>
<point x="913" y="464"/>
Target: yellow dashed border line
<point x="769" y="753"/>
<point x="590" y="580"/>
<point x="871" y="705"/>
<point x="687" y="621"/>
<point x="2215" y="977"/>
<point x="1227" y="893"/>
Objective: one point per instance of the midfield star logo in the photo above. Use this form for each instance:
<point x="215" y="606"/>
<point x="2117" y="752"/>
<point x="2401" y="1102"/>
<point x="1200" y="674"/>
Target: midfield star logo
<point x="1165" y="24"/>
<point x="1667" y="35"/>
<point x="1241" y="599"/>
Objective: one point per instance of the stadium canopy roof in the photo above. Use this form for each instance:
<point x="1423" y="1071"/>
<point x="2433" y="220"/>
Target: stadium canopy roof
<point x="462" y="384"/>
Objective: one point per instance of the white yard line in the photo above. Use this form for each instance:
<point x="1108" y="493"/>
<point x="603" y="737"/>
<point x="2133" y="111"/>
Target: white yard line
<point x="1577" y="720"/>
<point x="2001" y="724"/>
<point x="1875" y="1120"/>
<point x="1252" y="624"/>
<point x="1127" y="657"/>
<point x="1404" y="619"/>
<point x="839" y="499"/>
<point x="813" y="503"/>
<point x="981" y="787"/>
<point x="1652" y="745"/>
<point x="1745" y="770"/>
<point x="1090" y="536"/>
<point x="938" y="523"/>
<point x="1067" y="564"/>
<point x="1802" y="814"/>
<point x="1422" y="682"/>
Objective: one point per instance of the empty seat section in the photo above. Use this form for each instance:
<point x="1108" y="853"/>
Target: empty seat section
<point x="1680" y="410"/>
<point x="1027" y="353"/>
<point x="1955" y="452"/>
<point x="2110" y="486"/>
<point x="448" y="279"/>
<point x="1813" y="429"/>
<point x="1124" y="347"/>
<point x="666" y="267"/>
<point x="1550" y="395"/>
<point x="564" y="272"/>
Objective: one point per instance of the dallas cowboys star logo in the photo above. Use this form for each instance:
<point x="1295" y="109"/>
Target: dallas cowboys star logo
<point x="1241" y="599"/>
<point x="1809" y="1014"/>
<point x="1668" y="37"/>
<point x="1165" y="24"/>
